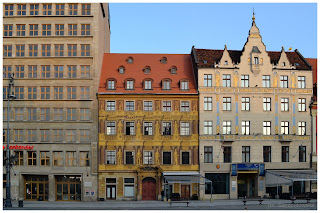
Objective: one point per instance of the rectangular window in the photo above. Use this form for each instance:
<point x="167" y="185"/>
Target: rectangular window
<point x="84" y="159"/>
<point x="34" y="9"/>
<point x="71" y="159"/>
<point x="147" y="106"/>
<point x="86" y="9"/>
<point x="85" y="29"/>
<point x="226" y="80"/>
<point x="33" y="30"/>
<point x="58" y="93"/>
<point x="244" y="80"/>
<point x="207" y="103"/>
<point x="207" y="128"/>
<point x="147" y="85"/>
<point x="147" y="157"/>
<point x="84" y="114"/>
<point x="302" y="153"/>
<point x="266" y="104"/>
<point x="7" y="30"/>
<point x="57" y="135"/>
<point x="32" y="71"/>
<point x="45" y="92"/>
<point x="46" y="49"/>
<point x="45" y="71"/>
<point x="18" y="114"/>
<point x="245" y="104"/>
<point x="32" y="92"/>
<point x="227" y="154"/>
<point x="7" y="50"/>
<point x="284" y="104"/>
<point x="57" y="158"/>
<point x="129" y="157"/>
<point x="129" y="128"/>
<point x="166" y="106"/>
<point x="111" y="128"/>
<point x="44" y="159"/>
<point x="147" y="128"/>
<point x="184" y="128"/>
<point x="226" y="127"/>
<point x="33" y="50"/>
<point x="72" y="71"/>
<point x="185" y="158"/>
<point x="70" y="135"/>
<point x="246" y="154"/>
<point x="266" y="153"/>
<point x="166" y="158"/>
<point x="59" y="50"/>
<point x="302" y="128"/>
<point x="85" y="71"/>
<point x="129" y="105"/>
<point x="71" y="114"/>
<point x="19" y="92"/>
<point x="284" y="81"/>
<point x="32" y="114"/>
<point x="166" y="128"/>
<point x="285" y="154"/>
<point x="72" y="50"/>
<point x="111" y="157"/>
<point x="59" y="29"/>
<point x="45" y="114"/>
<point x="71" y="92"/>
<point x="245" y="127"/>
<point x="58" y="71"/>
<point x="226" y="104"/>
<point x="5" y="116"/>
<point x="5" y="92"/>
<point x="129" y="84"/>
<point x="185" y="106"/>
<point x="22" y="10"/>
<point x="72" y="29"/>
<point x="301" y="82"/>
<point x="85" y="49"/>
<point x="73" y="9"/>
<point x="44" y="135"/>
<point x="266" y="127"/>
<point x="111" y="105"/>
<point x="47" y="9"/>
<point x="207" y="80"/>
<point x="60" y="9"/>
<point x="84" y="92"/>
<point x="166" y="85"/>
<point x="184" y="85"/>
<point x="20" y="157"/>
<point x="208" y="154"/>
<point x="32" y="158"/>
<point x="46" y="30"/>
<point x="58" y="114"/>
<point x="20" y="50"/>
<point x="8" y="9"/>
<point x="19" y="71"/>
<point x="18" y="135"/>
<point x="302" y="104"/>
<point x="220" y="183"/>
<point x="284" y="127"/>
<point x="7" y="70"/>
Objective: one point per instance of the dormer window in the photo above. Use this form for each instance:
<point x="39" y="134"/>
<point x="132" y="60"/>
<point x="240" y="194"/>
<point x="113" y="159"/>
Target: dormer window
<point x="129" y="84"/>
<point x="173" y="70"/>
<point x="256" y="60"/>
<point x="111" y="84"/>
<point x="121" y="70"/>
<point x="184" y="85"/>
<point x="147" y="84"/>
<point x="166" y="84"/>
<point x="130" y="60"/>
<point x="283" y="64"/>
<point x="163" y="60"/>
<point x="226" y="63"/>
<point x="205" y="62"/>
<point x="147" y="70"/>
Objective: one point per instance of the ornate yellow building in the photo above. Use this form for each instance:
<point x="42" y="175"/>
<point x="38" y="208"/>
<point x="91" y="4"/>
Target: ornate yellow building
<point x="148" y="126"/>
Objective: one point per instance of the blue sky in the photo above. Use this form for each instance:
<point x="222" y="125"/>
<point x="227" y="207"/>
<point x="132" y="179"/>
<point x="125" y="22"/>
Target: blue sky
<point x="175" y="28"/>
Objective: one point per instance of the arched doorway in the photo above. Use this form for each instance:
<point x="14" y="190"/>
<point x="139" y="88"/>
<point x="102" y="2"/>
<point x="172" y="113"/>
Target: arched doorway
<point x="149" y="189"/>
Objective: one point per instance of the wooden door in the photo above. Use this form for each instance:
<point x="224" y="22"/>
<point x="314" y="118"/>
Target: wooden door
<point x="111" y="192"/>
<point x="185" y="191"/>
<point x="149" y="189"/>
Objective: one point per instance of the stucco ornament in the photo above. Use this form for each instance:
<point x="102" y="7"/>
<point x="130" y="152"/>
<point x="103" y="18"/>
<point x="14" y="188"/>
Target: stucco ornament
<point x="176" y="157"/>
<point x="119" y="156"/>
<point x="138" y="157"/>
<point x="157" y="156"/>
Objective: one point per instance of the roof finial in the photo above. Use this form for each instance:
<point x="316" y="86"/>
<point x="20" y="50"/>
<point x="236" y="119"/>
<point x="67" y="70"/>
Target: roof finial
<point x="253" y="18"/>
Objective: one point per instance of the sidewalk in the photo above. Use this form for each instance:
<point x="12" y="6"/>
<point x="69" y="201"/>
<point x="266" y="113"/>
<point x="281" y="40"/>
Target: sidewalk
<point x="271" y="204"/>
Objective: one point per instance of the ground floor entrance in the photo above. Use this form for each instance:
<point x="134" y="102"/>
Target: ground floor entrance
<point x="185" y="191"/>
<point x="247" y="185"/>
<point x="149" y="189"/>
<point x="36" y="187"/>
<point x="68" y="188"/>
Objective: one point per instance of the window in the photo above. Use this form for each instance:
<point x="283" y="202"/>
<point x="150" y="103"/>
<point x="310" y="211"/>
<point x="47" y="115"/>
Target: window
<point x="57" y="158"/>
<point x="246" y="154"/>
<point x="46" y="29"/>
<point x="32" y="71"/>
<point x="71" y="114"/>
<point x="285" y="154"/>
<point x="44" y="135"/>
<point x="84" y="135"/>
<point x="244" y="80"/>
<point x="85" y="49"/>
<point x="129" y="128"/>
<point x="266" y="127"/>
<point x="184" y="85"/>
<point x="284" y="104"/>
<point x="256" y="60"/>
<point x="18" y="114"/>
<point x="71" y="135"/>
<point x="84" y="92"/>
<point x="147" y="70"/>
<point x="226" y="80"/>
<point x="207" y="80"/>
<point x="72" y="50"/>
<point x="46" y="49"/>
<point x="284" y="127"/>
<point x="111" y="128"/>
<point x="32" y="114"/>
<point x="20" y="157"/>
<point x="32" y="158"/>
<point x="45" y="71"/>
<point x="34" y="9"/>
<point x="163" y="60"/>
<point x="73" y="9"/>
<point x="5" y="115"/>
<point x="185" y="106"/>
<point x="71" y="92"/>
<point x="59" y="29"/>
<point x="129" y="105"/>
<point x="184" y="128"/>
<point x="84" y="159"/>
<point x="302" y="153"/>
<point x="45" y="92"/>
<point x="84" y="114"/>
<point x="18" y="135"/>
<point x="20" y="50"/>
<point x="301" y="82"/>
<point x="7" y="29"/>
<point x="245" y="126"/>
<point x="129" y="157"/>
<point x="5" y="92"/>
<point x="129" y="84"/>
<point x="7" y="71"/>
<point x="147" y="157"/>
<point x="166" y="106"/>
<point x="147" y="128"/>
<point x="85" y="29"/>
<point x="266" y="104"/>
<point x="220" y="183"/>
<point x="207" y="103"/>
<point x="8" y="9"/>
<point x="60" y="9"/>
<point x="19" y="92"/>
<point x="207" y="128"/>
<point x="33" y="50"/>
<point x="166" y="85"/>
<point x="7" y="50"/>
<point x="19" y="71"/>
<point x="147" y="106"/>
<point x="58" y="71"/>
<point x="302" y="104"/>
<point x="284" y="81"/>
<point x="22" y="8"/>
<point x="58" y="114"/>
<point x="71" y="159"/>
<point x="130" y="60"/>
<point x="166" y="158"/>
<point x="227" y="154"/>
<point x="173" y="70"/>
<point x="227" y="104"/>
<point x="185" y="158"/>
<point x="245" y="104"/>
<point x="72" y="71"/>
<point x="85" y="71"/>
<point x="33" y="30"/>
<point x="266" y="153"/>
<point x="166" y="128"/>
<point x="111" y="105"/>
<point x="45" y="114"/>
<point x="208" y="154"/>
<point x="226" y="127"/>
<point x="86" y="9"/>
<point x="47" y="9"/>
<point x="111" y="157"/>
<point x="283" y="64"/>
<point x="72" y="29"/>
<point x="44" y="159"/>
<point x="302" y="128"/>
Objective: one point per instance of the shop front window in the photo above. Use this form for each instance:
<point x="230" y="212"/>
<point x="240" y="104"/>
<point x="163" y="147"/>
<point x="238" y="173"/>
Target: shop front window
<point x="220" y="183"/>
<point x="36" y="187"/>
<point x="68" y="188"/>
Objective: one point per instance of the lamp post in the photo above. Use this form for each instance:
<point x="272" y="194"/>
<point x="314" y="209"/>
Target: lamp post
<point x="8" y="185"/>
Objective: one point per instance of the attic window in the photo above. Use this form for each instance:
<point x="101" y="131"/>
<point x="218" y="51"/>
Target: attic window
<point x="130" y="60"/>
<point x="297" y="64"/>
<point x="163" y="60"/>
<point x="256" y="60"/>
<point x="173" y="70"/>
<point x="205" y="62"/>
<point x="226" y="63"/>
<point x="283" y="64"/>
<point x="147" y="70"/>
<point x="121" y="70"/>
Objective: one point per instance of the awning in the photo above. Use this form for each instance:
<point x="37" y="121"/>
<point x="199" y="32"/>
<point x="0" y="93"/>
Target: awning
<point x="287" y="177"/>
<point x="184" y="177"/>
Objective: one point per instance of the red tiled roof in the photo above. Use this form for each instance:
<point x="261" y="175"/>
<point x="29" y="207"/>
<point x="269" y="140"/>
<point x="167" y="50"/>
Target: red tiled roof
<point x="159" y="71"/>
<point x="313" y="63"/>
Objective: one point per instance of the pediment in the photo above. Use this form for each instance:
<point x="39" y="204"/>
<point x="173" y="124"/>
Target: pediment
<point x="226" y="61"/>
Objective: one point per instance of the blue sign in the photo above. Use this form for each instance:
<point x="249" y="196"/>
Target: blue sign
<point x="234" y="170"/>
<point x="261" y="170"/>
<point x="248" y="166"/>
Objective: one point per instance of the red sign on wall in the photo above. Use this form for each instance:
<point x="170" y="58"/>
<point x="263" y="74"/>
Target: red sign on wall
<point x="19" y="147"/>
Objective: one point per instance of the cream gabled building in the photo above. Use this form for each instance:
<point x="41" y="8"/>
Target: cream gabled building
<point x="55" y="51"/>
<point x="253" y="117"/>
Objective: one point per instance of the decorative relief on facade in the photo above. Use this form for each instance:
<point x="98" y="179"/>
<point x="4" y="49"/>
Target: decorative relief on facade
<point x="157" y="156"/>
<point x="176" y="156"/>
<point x="304" y="91"/>
<point x="293" y="80"/>
<point x="276" y="130"/>
<point x="236" y="78"/>
<point x="138" y="157"/>
<point x="217" y="98"/>
<point x="255" y="36"/>
<point x="119" y="156"/>
<point x="217" y="78"/>
<point x="236" y="96"/>
<point x="275" y="79"/>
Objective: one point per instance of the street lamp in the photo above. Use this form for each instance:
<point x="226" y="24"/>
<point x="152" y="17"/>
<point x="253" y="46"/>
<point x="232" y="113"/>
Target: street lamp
<point x="8" y="185"/>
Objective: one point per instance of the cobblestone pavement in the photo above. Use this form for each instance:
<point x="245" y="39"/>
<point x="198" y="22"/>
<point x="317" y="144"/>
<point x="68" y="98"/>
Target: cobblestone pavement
<point x="267" y="204"/>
